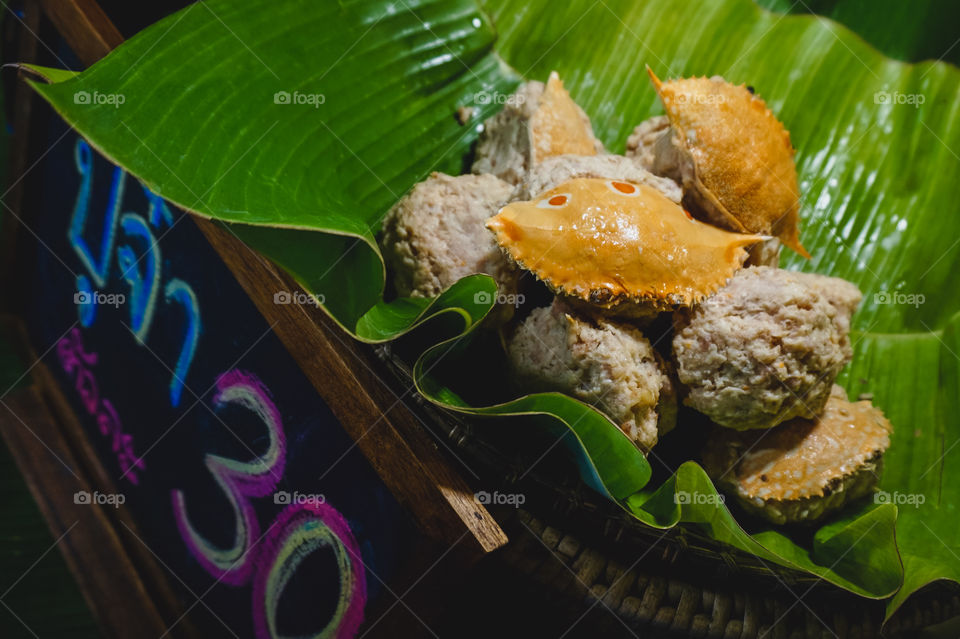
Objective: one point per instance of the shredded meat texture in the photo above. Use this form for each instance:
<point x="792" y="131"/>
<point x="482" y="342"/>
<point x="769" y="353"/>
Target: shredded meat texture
<point x="556" y="170"/>
<point x="609" y="365"/>
<point x="843" y="295"/>
<point x="765" y="348"/>
<point x="649" y="146"/>
<point x="435" y="235"/>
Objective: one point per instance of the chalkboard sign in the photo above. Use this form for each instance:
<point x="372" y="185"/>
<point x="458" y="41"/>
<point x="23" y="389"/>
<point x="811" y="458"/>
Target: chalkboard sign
<point x="241" y="481"/>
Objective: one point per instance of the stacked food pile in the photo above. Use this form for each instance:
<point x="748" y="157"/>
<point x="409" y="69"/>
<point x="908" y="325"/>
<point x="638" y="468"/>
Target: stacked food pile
<point x="688" y="222"/>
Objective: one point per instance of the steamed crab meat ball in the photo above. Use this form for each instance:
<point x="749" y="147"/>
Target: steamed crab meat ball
<point x="765" y="348"/>
<point x="554" y="171"/>
<point x="537" y="122"/>
<point x="732" y="156"/>
<point x="607" y="364"/>
<point x="435" y="235"/>
<point x="802" y="469"/>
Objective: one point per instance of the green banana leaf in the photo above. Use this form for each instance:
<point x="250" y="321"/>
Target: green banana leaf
<point x="297" y="124"/>
<point x="909" y="31"/>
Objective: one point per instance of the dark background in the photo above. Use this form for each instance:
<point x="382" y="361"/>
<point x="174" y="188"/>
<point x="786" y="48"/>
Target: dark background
<point x="35" y="584"/>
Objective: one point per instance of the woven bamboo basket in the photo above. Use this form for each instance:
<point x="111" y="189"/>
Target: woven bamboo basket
<point x="593" y="570"/>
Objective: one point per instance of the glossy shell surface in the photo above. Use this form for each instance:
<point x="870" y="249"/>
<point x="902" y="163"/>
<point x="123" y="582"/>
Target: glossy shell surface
<point x="608" y="241"/>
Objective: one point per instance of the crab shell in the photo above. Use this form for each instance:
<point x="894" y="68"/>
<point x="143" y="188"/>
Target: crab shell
<point x="739" y="159"/>
<point x="802" y="459"/>
<point x="559" y="126"/>
<point x="618" y="245"/>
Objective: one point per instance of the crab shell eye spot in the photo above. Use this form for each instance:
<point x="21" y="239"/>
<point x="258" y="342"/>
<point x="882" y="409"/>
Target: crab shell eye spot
<point x="554" y="201"/>
<point x="624" y="188"/>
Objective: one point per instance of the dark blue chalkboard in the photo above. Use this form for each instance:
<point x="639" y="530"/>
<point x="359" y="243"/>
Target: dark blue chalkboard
<point x="188" y="396"/>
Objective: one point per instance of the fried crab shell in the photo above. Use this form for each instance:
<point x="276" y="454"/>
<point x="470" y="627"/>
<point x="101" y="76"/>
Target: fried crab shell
<point x="559" y="126"/>
<point x="803" y="468"/>
<point x="747" y="183"/>
<point x="613" y="243"/>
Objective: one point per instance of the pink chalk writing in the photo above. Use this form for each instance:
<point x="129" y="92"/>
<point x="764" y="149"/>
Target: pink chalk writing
<point x="270" y="560"/>
<point x="77" y="362"/>
<point x="297" y="531"/>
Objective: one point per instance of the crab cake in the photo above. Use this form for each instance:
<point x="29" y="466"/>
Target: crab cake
<point x="554" y="171"/>
<point x="607" y="364"/>
<point x="537" y="122"/>
<point x="802" y="469"/>
<point x="765" y="348"/>
<point x="435" y="235"/>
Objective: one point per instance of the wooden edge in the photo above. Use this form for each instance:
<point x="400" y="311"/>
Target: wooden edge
<point x="391" y="440"/>
<point x="343" y="372"/>
<point x="85" y="26"/>
<point x="44" y="447"/>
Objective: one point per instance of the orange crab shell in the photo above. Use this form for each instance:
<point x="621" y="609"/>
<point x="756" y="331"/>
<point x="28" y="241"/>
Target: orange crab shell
<point x="750" y="180"/>
<point x="611" y="243"/>
<point x="800" y="459"/>
<point x="559" y="127"/>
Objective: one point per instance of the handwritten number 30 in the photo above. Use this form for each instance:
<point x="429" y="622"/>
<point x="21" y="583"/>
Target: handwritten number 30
<point x="271" y="559"/>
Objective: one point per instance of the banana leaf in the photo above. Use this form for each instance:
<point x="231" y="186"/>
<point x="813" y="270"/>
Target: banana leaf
<point x="909" y="31"/>
<point x="297" y="125"/>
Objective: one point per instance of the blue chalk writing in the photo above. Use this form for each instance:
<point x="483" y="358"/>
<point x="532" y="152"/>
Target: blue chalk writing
<point x="97" y="268"/>
<point x="86" y="308"/>
<point x="143" y="288"/>
<point x="159" y="211"/>
<point x="180" y="292"/>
